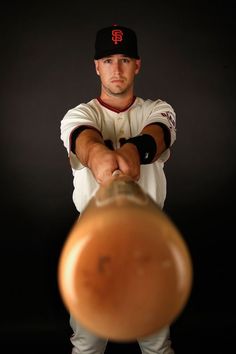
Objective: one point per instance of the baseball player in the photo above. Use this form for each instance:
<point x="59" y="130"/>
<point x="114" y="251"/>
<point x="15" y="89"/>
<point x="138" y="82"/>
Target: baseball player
<point x="118" y="131"/>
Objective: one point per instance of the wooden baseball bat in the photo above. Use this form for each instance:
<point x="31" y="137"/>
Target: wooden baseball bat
<point x="125" y="271"/>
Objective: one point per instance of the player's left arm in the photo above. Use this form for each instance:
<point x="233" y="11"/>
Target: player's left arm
<point x="143" y="149"/>
<point x="148" y="146"/>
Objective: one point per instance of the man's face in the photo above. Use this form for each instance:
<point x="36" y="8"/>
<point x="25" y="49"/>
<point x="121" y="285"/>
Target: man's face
<point x="117" y="73"/>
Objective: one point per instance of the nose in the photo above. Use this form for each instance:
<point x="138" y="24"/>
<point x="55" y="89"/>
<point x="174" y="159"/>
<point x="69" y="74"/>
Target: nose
<point x="117" y="67"/>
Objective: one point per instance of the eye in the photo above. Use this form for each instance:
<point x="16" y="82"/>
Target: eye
<point x="126" y="60"/>
<point x="107" y="61"/>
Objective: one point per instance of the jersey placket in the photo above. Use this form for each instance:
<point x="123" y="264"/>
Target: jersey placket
<point x="121" y="127"/>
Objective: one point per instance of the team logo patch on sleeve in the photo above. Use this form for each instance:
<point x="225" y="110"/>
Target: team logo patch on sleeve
<point x="170" y="117"/>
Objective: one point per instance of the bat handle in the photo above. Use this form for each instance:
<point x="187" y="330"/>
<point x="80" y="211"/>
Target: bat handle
<point x="120" y="186"/>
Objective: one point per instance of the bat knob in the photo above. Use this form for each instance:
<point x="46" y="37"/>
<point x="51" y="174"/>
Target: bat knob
<point x="116" y="173"/>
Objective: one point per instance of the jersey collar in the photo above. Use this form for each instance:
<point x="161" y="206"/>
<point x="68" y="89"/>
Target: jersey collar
<point x="115" y="109"/>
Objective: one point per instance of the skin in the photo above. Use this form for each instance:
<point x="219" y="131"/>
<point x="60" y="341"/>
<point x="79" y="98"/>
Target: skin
<point x="117" y="74"/>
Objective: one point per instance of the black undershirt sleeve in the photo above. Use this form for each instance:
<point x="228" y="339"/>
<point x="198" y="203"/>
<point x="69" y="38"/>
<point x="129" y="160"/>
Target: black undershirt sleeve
<point x="75" y="134"/>
<point x="166" y="132"/>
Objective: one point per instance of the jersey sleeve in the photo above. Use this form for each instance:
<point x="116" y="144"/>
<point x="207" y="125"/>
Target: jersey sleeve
<point x="160" y="112"/>
<point x="74" y="118"/>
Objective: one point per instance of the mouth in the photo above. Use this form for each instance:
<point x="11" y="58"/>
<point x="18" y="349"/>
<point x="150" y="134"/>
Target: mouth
<point x="117" y="80"/>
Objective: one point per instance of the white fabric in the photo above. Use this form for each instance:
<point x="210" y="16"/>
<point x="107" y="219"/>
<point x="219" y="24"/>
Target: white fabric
<point x="86" y="342"/>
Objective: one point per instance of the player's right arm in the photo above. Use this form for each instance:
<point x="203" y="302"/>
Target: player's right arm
<point x="80" y="132"/>
<point x="93" y="153"/>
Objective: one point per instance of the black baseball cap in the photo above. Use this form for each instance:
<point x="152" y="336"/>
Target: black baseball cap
<point x="116" y="40"/>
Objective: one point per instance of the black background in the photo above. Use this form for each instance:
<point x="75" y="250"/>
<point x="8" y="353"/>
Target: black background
<point x="188" y="58"/>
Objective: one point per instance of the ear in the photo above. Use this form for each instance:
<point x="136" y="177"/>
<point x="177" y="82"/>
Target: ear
<point x="138" y="66"/>
<point x="96" y="67"/>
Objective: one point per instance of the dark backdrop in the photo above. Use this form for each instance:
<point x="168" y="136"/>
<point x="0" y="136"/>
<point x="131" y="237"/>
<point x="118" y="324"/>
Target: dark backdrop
<point x="188" y="54"/>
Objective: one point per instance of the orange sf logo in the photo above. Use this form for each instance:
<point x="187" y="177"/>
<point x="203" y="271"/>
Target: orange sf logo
<point x="117" y="36"/>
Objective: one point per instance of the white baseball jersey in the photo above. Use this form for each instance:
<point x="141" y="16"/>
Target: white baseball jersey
<point x="115" y="125"/>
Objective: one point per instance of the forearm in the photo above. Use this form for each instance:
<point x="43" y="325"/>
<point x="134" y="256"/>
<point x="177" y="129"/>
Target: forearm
<point x="150" y="143"/>
<point x="93" y="153"/>
<point x="86" y="143"/>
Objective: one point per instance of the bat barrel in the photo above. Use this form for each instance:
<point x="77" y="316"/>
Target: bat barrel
<point x="125" y="271"/>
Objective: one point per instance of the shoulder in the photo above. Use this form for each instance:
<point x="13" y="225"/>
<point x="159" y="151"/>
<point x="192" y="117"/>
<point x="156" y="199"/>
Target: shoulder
<point x="82" y="109"/>
<point x="147" y="106"/>
<point x="150" y="103"/>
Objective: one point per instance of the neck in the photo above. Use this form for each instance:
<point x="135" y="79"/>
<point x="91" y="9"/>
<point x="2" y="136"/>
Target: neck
<point x="119" y="102"/>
